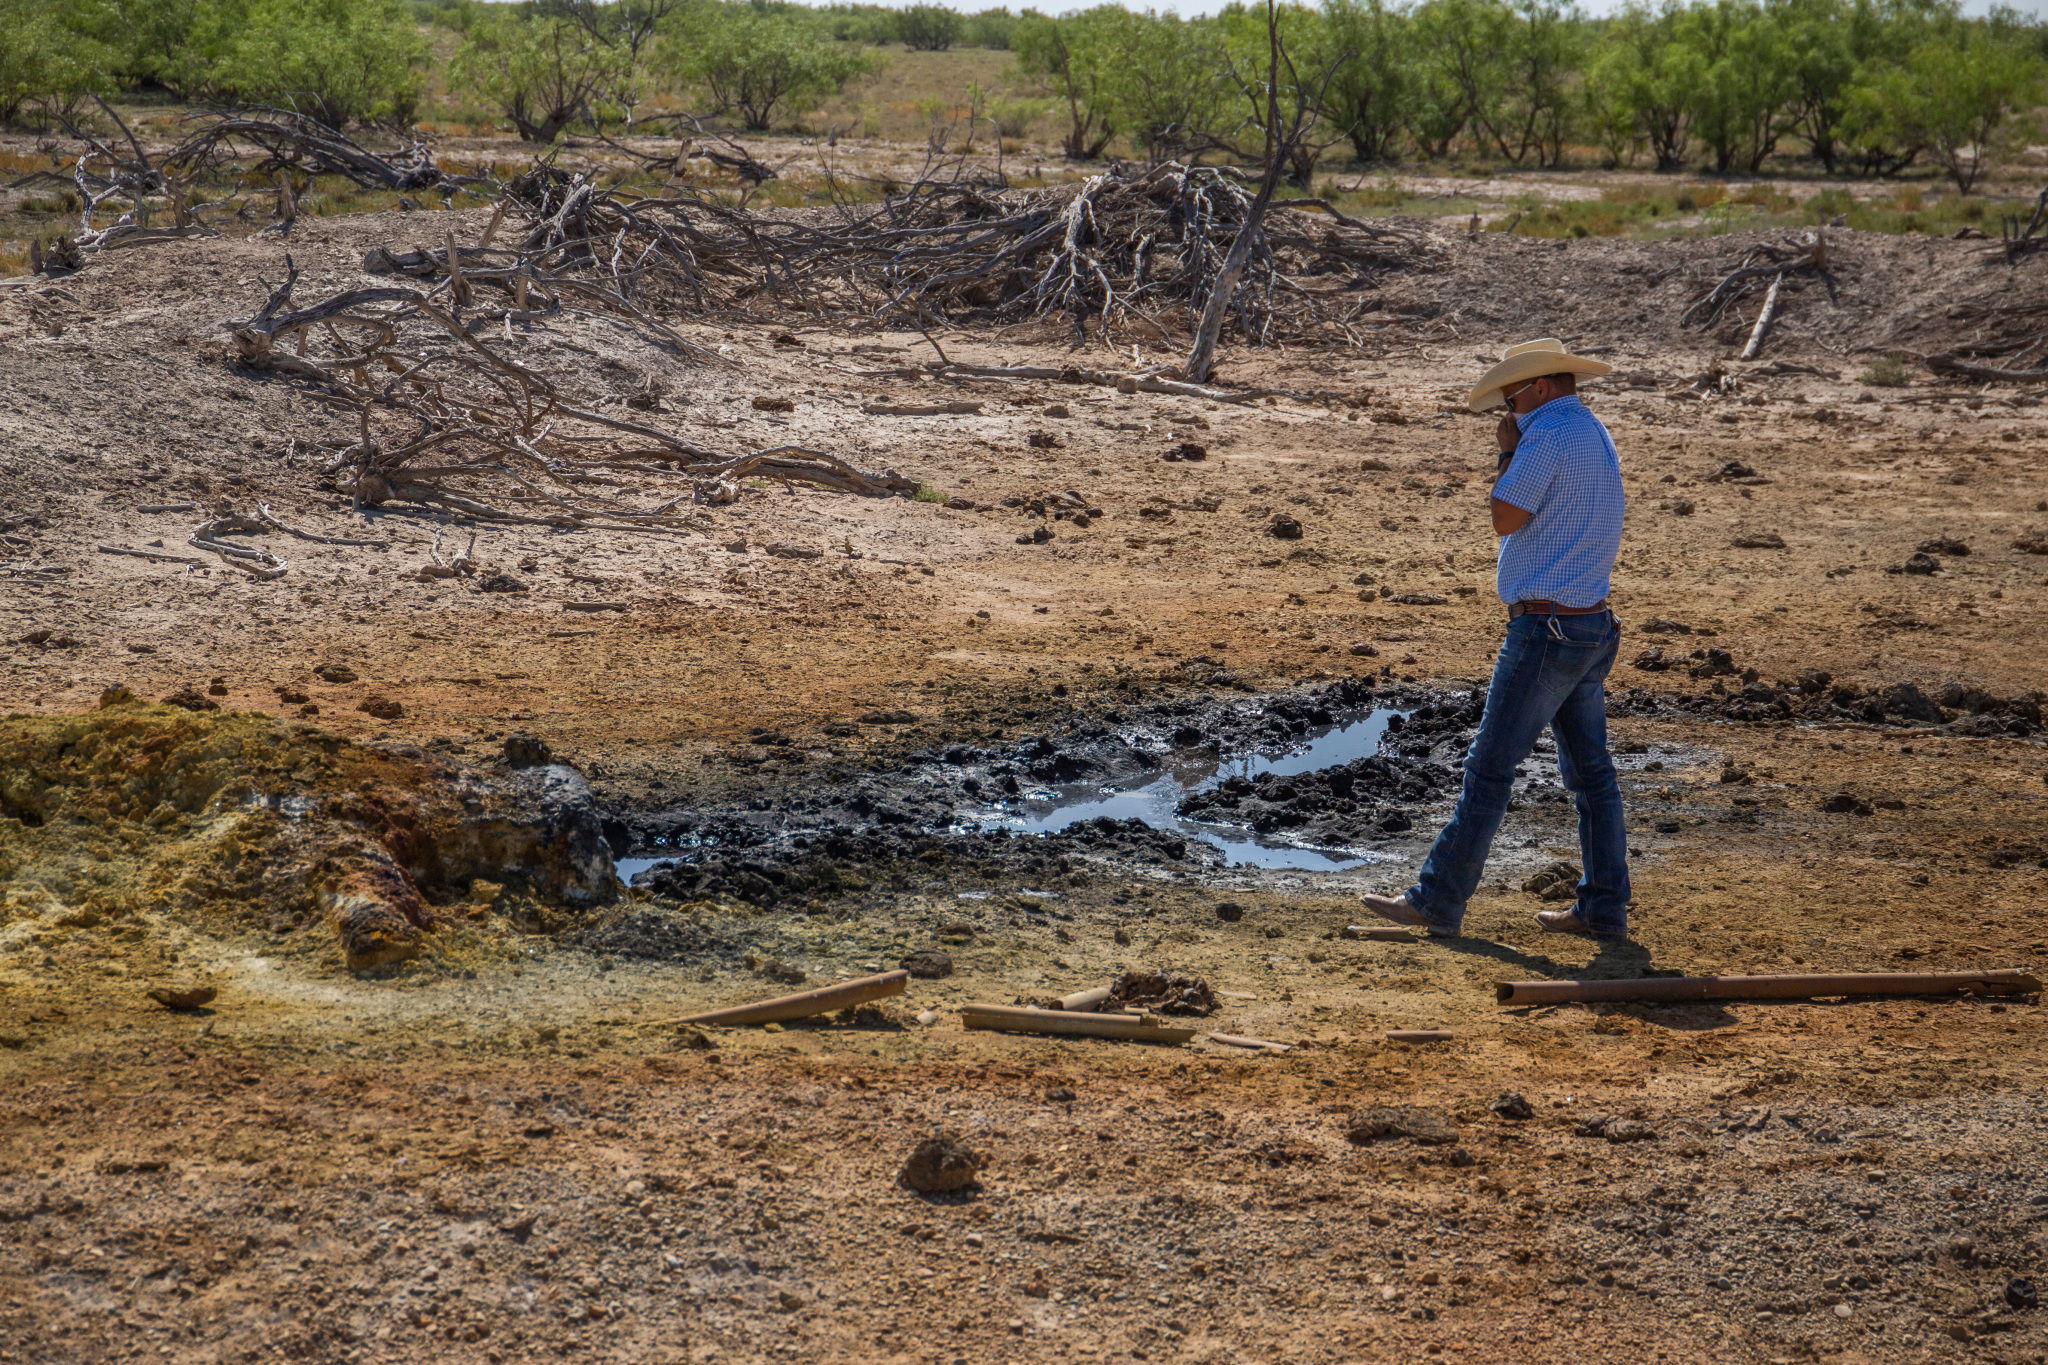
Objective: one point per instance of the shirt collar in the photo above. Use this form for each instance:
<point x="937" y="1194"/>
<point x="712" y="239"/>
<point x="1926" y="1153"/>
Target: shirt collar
<point x="1555" y="407"/>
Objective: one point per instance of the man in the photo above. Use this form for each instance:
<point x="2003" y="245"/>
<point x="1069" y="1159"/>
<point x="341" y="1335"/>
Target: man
<point x="1557" y="504"/>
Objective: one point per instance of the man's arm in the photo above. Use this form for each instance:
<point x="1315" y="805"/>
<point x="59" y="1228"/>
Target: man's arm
<point x="1508" y="518"/>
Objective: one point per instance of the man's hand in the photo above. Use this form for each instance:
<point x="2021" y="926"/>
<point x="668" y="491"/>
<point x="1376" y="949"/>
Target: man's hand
<point x="1508" y="433"/>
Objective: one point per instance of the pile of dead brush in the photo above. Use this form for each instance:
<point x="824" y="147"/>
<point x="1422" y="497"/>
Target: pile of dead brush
<point x="1138" y="250"/>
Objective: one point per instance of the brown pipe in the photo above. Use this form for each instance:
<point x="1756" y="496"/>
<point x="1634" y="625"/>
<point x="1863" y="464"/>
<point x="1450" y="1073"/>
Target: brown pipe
<point x="1800" y="987"/>
<point x="1085" y="1002"/>
<point x="1261" y="1044"/>
<point x="1020" y="1019"/>
<point x="804" y="1004"/>
<point x="1418" y="1035"/>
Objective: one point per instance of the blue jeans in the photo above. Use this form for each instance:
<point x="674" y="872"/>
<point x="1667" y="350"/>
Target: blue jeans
<point x="1551" y="671"/>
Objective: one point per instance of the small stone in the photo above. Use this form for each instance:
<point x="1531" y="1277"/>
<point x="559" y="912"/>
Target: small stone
<point x="193" y="998"/>
<point x="1284" y="527"/>
<point x="500" y="581"/>
<point x="523" y="750"/>
<point x="1512" y="1106"/>
<point x="1230" y="912"/>
<point x="956" y="928"/>
<point x="383" y="708"/>
<point x="928" y="965"/>
<point x="1365" y="651"/>
<point x="1123" y="938"/>
<point x="941" y="1164"/>
<point x="335" y="673"/>
<point x="1843" y="1310"/>
<point x="773" y="403"/>
<point x="2022" y="1294"/>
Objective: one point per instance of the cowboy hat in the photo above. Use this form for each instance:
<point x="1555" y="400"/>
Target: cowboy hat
<point x="1531" y="360"/>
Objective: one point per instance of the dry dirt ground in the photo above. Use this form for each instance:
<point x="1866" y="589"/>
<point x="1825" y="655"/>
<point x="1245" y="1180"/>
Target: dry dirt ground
<point x="505" y="1150"/>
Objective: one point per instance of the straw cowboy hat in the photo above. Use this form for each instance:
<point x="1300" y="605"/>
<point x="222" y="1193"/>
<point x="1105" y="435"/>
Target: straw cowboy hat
<point x="1531" y="360"/>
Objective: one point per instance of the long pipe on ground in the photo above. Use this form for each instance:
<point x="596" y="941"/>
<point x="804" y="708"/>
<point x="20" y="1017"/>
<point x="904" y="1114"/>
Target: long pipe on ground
<point x="1799" y="987"/>
<point x="1020" y="1019"/>
<point x="804" y="1004"/>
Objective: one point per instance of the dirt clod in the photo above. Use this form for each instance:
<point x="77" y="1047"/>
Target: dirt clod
<point x="192" y="998"/>
<point x="941" y="1164"/>
<point x="1511" y="1106"/>
<point x="1557" y="882"/>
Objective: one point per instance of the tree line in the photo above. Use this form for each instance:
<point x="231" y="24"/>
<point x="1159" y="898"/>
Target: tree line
<point x="1864" y="87"/>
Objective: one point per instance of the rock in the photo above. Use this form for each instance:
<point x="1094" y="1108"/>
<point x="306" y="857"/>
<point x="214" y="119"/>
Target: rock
<point x="1715" y="663"/>
<point x="941" y="1164"/>
<point x="1761" y="540"/>
<point x="1613" y="1127"/>
<point x="2021" y="1294"/>
<point x="383" y="708"/>
<point x="1420" y="599"/>
<point x="956" y="928"/>
<point x="500" y="581"/>
<point x="1557" y="882"/>
<point x="190" y="699"/>
<point x="1657" y="625"/>
<point x="773" y="403"/>
<point x="1188" y="450"/>
<point x="1057" y="410"/>
<point x="1284" y="527"/>
<point x="1906" y="699"/>
<point x="197" y="997"/>
<point x="216" y="688"/>
<point x="1683" y="507"/>
<point x="960" y="504"/>
<point x="783" y="549"/>
<point x="1512" y="1106"/>
<point x="1123" y="938"/>
<point x="335" y="673"/>
<point x="1944" y="545"/>
<point x="1843" y="803"/>
<point x="928" y="964"/>
<point x="1230" y="912"/>
<point x="1917" y="563"/>
<point x="889" y="718"/>
<point x="1044" y="440"/>
<point x="1424" y="1126"/>
<point x="2033" y="543"/>
<point x="1365" y="651"/>
<point x="523" y="750"/>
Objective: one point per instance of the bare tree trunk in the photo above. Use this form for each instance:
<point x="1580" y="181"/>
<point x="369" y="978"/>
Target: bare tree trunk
<point x="1203" y="354"/>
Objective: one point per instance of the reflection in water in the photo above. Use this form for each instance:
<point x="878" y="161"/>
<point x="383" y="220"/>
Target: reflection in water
<point x="1155" y="802"/>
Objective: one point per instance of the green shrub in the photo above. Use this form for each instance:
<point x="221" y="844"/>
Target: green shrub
<point x="1888" y="373"/>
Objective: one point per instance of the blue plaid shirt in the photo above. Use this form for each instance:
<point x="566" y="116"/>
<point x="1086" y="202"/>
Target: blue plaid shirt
<point x="1567" y="476"/>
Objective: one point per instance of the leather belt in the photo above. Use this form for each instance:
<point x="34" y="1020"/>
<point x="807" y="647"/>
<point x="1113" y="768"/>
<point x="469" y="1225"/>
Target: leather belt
<point x="1553" y="609"/>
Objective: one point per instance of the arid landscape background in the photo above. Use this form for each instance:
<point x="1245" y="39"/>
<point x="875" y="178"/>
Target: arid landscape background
<point x="440" y="1106"/>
